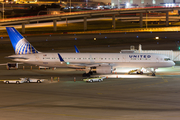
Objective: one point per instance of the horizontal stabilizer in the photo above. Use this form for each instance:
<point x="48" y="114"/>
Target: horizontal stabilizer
<point x="16" y="58"/>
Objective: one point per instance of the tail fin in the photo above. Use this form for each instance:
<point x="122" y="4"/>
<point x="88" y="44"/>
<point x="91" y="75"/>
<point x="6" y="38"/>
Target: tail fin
<point x="76" y="49"/>
<point x="19" y="43"/>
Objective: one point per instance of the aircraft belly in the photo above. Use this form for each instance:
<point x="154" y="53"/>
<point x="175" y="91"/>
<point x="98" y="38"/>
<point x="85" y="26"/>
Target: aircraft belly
<point x="122" y="64"/>
<point x="135" y="64"/>
<point x="56" y="64"/>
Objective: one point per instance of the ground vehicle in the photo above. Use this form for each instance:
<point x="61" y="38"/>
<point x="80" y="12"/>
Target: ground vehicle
<point x="99" y="79"/>
<point x="14" y="81"/>
<point x="30" y="80"/>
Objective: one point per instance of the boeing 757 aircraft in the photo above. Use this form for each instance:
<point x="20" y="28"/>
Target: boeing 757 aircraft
<point x="101" y="63"/>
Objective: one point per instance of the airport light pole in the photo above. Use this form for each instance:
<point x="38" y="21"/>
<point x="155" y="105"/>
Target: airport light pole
<point x="70" y="6"/>
<point x="3" y="9"/>
<point x="118" y="4"/>
<point x="146" y="21"/>
<point x="86" y="3"/>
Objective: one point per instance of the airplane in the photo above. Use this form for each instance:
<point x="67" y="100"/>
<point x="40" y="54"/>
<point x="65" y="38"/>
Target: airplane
<point x="100" y="63"/>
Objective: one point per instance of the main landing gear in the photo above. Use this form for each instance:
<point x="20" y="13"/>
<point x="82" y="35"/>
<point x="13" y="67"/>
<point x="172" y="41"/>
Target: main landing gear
<point x="153" y="74"/>
<point x="152" y="70"/>
<point x="139" y="71"/>
<point x="87" y="74"/>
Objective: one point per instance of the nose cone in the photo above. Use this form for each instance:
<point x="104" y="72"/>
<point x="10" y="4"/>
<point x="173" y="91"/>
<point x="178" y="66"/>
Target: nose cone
<point x="172" y="63"/>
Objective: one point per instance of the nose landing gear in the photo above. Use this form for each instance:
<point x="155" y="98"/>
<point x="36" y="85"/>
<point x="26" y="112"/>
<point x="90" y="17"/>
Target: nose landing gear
<point x="138" y="71"/>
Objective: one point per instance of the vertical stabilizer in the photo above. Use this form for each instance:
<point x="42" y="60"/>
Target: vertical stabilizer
<point x="19" y="43"/>
<point x="76" y="49"/>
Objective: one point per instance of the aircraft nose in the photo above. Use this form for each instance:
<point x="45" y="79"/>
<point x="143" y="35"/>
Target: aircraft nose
<point x="173" y="63"/>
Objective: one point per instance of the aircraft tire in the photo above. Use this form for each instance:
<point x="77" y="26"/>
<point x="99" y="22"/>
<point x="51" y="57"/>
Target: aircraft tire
<point x="153" y="74"/>
<point x="90" y="72"/>
<point x="84" y="75"/>
<point x="38" y="81"/>
<point x="17" y="82"/>
<point x="88" y="75"/>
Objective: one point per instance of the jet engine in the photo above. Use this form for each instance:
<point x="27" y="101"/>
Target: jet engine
<point x="102" y="69"/>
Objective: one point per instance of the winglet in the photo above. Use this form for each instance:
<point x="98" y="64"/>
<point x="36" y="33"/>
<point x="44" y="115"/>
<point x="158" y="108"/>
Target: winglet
<point x="61" y="59"/>
<point x="76" y="49"/>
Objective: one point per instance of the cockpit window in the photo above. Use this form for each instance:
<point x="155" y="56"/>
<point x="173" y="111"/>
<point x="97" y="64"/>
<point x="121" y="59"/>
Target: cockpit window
<point x="166" y="59"/>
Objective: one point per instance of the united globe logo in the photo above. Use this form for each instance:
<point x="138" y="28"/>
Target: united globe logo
<point x="148" y="56"/>
<point x="24" y="47"/>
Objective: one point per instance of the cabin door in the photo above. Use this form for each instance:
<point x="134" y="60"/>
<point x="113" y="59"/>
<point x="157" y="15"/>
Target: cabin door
<point x="123" y="58"/>
<point x="157" y="59"/>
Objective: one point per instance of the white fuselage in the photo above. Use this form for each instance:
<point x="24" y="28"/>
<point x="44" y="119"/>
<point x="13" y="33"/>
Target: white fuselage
<point x="80" y="60"/>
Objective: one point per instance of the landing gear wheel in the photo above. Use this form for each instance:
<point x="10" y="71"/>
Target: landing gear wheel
<point x="153" y="74"/>
<point x="90" y="72"/>
<point x="38" y="81"/>
<point x="139" y="72"/>
<point x="86" y="75"/>
<point x="17" y="82"/>
<point x="7" y="82"/>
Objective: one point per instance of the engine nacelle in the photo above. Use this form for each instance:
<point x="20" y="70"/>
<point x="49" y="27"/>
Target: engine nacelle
<point x="103" y="69"/>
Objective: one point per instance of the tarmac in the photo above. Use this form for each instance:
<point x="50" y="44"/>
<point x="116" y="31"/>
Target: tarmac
<point x="136" y="97"/>
<point x="128" y="97"/>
